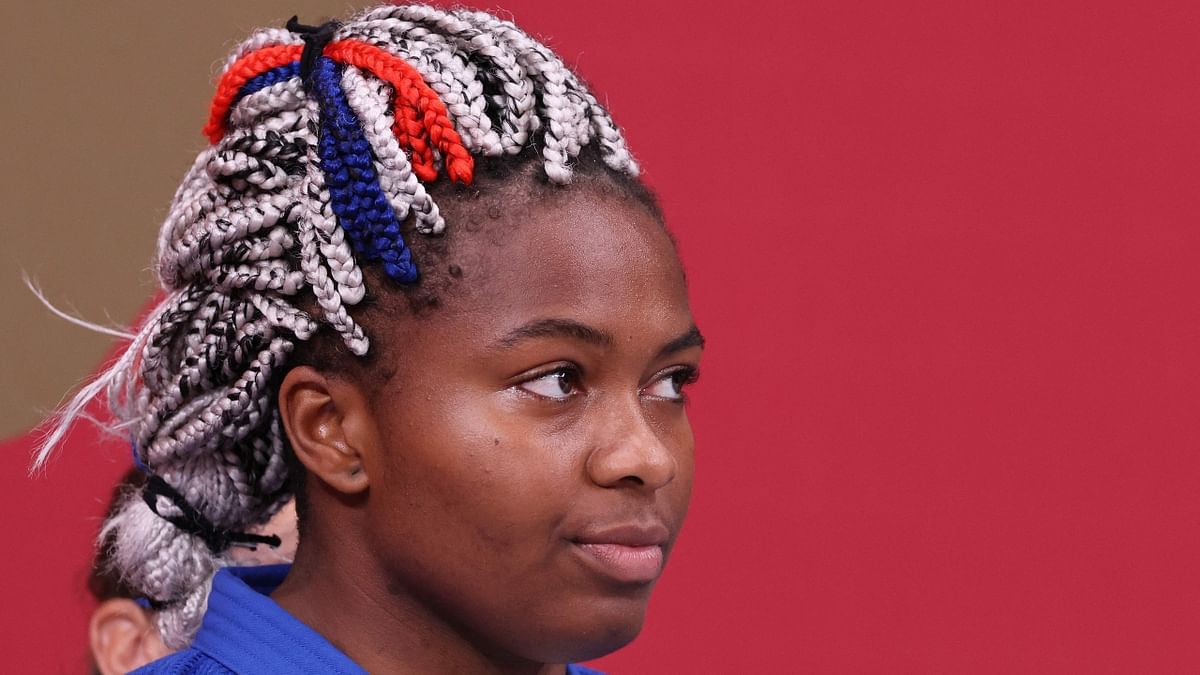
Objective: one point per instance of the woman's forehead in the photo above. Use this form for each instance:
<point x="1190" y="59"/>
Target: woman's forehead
<point x="593" y="259"/>
<point x="590" y="247"/>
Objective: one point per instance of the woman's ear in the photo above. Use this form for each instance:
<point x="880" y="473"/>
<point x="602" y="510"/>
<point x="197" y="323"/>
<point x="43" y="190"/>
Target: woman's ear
<point x="328" y="422"/>
<point x="123" y="638"/>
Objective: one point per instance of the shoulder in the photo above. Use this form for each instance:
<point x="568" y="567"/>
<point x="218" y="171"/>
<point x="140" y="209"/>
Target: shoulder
<point x="186" y="662"/>
<point x="576" y="669"/>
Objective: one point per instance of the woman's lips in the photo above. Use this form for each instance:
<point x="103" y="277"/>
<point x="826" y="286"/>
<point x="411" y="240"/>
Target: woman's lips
<point x="629" y="554"/>
<point x="629" y="564"/>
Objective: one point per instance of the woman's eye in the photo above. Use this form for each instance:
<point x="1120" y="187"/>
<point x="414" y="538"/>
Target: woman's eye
<point x="670" y="386"/>
<point x="558" y="384"/>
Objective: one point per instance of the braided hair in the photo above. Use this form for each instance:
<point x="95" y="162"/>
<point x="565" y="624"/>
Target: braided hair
<point x="327" y="146"/>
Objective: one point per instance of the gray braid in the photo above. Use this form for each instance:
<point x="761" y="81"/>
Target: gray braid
<point x="259" y="250"/>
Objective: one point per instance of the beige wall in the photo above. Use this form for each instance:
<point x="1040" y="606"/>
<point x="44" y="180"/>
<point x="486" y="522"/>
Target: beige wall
<point x="102" y="108"/>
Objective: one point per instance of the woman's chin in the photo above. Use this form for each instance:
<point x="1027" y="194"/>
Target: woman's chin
<point x="600" y="636"/>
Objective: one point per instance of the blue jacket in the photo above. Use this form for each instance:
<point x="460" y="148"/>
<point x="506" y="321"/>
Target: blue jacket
<point x="246" y="633"/>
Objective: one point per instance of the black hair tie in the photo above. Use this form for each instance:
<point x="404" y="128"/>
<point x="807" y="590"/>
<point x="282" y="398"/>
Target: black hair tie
<point x="315" y="38"/>
<point x="193" y="522"/>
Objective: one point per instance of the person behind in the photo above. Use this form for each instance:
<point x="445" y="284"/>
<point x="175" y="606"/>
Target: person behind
<point x="122" y="635"/>
<point x="121" y="632"/>
<point x="414" y="281"/>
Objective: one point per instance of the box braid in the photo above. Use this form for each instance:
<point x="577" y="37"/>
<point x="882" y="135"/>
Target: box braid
<point x="324" y="143"/>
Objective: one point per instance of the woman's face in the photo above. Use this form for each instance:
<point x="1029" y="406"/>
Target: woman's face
<point x="535" y="456"/>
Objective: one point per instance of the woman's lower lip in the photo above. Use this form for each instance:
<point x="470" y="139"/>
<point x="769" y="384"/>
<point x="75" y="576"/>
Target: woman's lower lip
<point x="629" y="564"/>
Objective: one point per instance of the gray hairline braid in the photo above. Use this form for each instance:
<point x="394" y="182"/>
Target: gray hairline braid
<point x="255" y="224"/>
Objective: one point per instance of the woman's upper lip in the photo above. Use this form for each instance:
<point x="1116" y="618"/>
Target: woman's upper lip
<point x="629" y="534"/>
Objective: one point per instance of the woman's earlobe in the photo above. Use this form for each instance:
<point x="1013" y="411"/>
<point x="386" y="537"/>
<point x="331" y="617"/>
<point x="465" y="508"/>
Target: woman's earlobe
<point x="323" y="419"/>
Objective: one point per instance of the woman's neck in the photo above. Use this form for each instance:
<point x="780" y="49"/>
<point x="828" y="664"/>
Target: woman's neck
<point x="378" y="624"/>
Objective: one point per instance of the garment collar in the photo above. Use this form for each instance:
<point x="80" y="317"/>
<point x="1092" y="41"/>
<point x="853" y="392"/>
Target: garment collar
<point x="247" y="632"/>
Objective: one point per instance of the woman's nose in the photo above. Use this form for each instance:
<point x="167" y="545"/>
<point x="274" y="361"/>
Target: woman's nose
<point x="630" y="453"/>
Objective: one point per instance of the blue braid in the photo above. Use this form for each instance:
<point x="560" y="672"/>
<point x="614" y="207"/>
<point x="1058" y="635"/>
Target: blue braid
<point x="361" y="207"/>
<point x="270" y="77"/>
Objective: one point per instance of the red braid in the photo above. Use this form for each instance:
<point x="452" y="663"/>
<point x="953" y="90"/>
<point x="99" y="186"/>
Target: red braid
<point x="420" y="113"/>
<point x="251" y="65"/>
<point x="421" y="119"/>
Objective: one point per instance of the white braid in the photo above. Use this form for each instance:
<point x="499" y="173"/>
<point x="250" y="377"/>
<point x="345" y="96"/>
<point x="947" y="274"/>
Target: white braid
<point x="164" y="562"/>
<point x="331" y="239"/>
<point x="559" y="110"/>
<point x="185" y="208"/>
<point x="447" y="71"/>
<point x="323" y="284"/>
<point x="273" y="101"/>
<point x="252" y="232"/>
<point x="617" y="153"/>
<point x="366" y="98"/>
<point x="516" y="105"/>
<point x="264" y="37"/>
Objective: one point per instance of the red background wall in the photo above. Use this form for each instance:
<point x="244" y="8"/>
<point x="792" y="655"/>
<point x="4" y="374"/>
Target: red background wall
<point x="946" y="259"/>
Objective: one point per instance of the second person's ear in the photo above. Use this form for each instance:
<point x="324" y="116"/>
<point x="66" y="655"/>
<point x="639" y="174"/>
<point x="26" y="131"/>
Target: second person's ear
<point x="123" y="637"/>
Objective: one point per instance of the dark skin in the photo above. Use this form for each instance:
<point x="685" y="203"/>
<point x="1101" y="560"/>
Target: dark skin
<point x="463" y="515"/>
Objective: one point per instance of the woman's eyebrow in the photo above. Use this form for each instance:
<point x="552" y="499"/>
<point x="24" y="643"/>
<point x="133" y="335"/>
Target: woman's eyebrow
<point x="555" y="328"/>
<point x="691" y="338"/>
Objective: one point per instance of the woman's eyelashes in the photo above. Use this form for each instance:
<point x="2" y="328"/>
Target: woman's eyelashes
<point x="670" y="384"/>
<point x="566" y="381"/>
<point x="558" y="384"/>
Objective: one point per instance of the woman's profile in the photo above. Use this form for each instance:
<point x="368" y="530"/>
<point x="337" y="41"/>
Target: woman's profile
<point x="414" y="281"/>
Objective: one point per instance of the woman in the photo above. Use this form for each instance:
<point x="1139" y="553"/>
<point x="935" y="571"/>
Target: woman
<point x="415" y="282"/>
